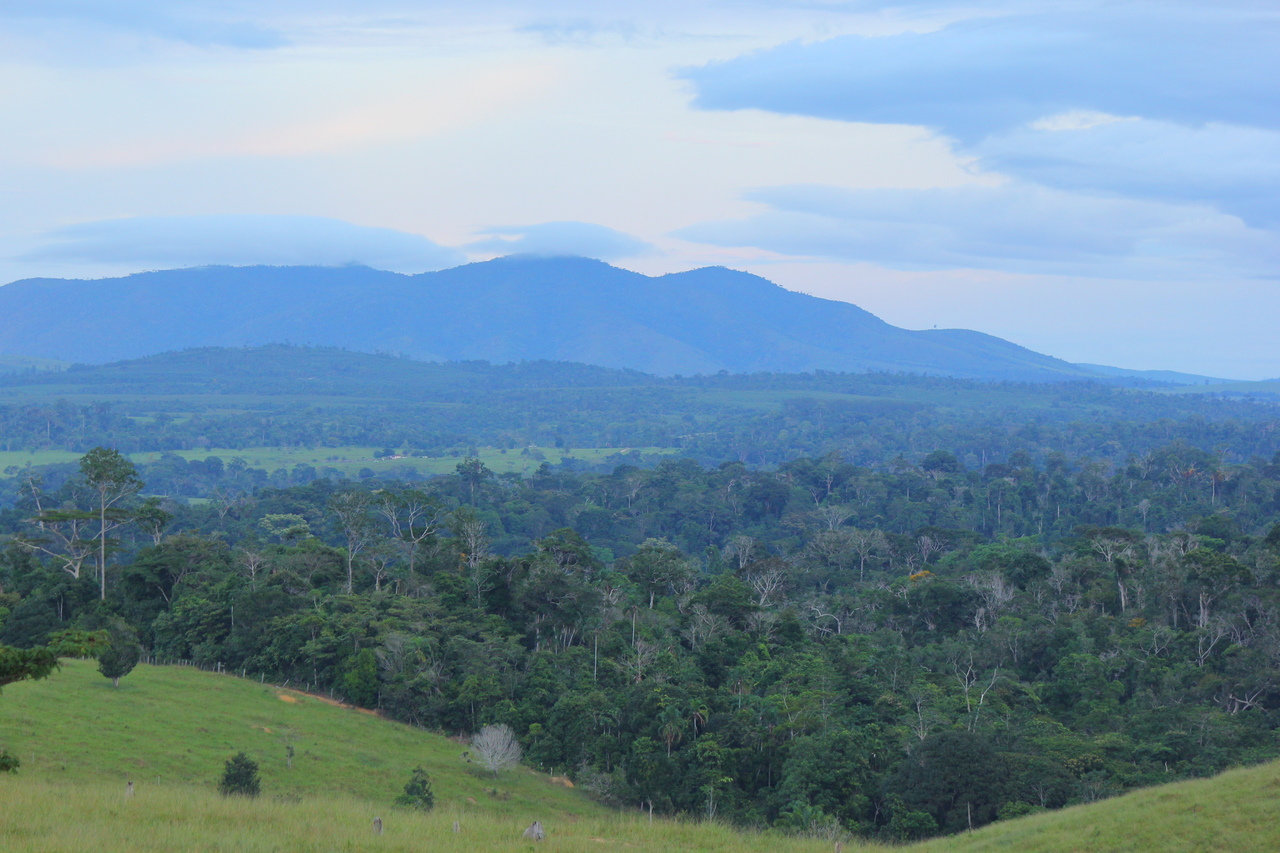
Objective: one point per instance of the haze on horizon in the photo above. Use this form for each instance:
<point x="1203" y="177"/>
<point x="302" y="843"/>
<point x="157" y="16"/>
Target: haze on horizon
<point x="1094" y="180"/>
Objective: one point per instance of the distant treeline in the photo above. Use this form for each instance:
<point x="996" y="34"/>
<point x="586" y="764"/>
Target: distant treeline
<point x="287" y="397"/>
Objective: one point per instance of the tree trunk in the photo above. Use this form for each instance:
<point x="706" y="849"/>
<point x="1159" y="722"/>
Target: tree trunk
<point x="102" y="548"/>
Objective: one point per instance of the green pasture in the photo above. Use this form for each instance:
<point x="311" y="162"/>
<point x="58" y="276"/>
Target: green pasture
<point x="170" y="725"/>
<point x="169" y="730"/>
<point x="1235" y="812"/>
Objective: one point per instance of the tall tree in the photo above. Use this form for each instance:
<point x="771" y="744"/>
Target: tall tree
<point x="61" y="531"/>
<point x="352" y="510"/>
<point x="115" y="480"/>
<point x="413" y="515"/>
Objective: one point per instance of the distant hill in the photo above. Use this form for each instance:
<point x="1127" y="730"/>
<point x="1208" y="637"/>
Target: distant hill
<point x="1154" y="377"/>
<point x="280" y="370"/>
<point x="25" y="364"/>
<point x="506" y="310"/>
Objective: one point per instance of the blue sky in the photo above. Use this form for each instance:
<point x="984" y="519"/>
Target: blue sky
<point x="1095" y="180"/>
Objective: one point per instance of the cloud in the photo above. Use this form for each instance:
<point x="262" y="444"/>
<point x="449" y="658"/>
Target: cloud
<point x="562" y="238"/>
<point x="1235" y="168"/>
<point x="1168" y="105"/>
<point x="199" y="24"/>
<point x="975" y="78"/>
<point x="580" y="31"/>
<point x="1016" y="227"/>
<point x="165" y="241"/>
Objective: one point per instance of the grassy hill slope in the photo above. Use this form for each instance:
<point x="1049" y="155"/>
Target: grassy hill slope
<point x="177" y="725"/>
<point x="1231" y="813"/>
<point x="170" y="729"/>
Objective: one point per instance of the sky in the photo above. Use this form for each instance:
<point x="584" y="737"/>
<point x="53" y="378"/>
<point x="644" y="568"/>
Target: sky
<point x="1099" y="181"/>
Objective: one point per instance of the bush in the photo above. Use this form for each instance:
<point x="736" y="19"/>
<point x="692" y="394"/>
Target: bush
<point x="240" y="777"/>
<point x="121" y="653"/>
<point x="9" y="762"/>
<point x="417" y="792"/>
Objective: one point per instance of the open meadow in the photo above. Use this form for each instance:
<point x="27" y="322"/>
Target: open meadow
<point x="169" y="729"/>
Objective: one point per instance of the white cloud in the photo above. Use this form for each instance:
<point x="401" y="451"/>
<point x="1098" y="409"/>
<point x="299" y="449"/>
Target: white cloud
<point x="241" y="240"/>
<point x="1014" y="227"/>
<point x="561" y="238"/>
<point x="989" y="75"/>
<point x="1234" y="168"/>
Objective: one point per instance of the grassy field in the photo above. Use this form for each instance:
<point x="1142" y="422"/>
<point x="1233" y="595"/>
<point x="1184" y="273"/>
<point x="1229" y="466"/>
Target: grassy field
<point x="44" y="817"/>
<point x="177" y="725"/>
<point x="169" y="730"/>
<point x="348" y="460"/>
<point x="1231" y="813"/>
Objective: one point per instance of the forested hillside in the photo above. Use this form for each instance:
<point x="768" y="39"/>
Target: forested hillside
<point x="240" y="399"/>
<point x="898" y="649"/>
<point x="517" y="308"/>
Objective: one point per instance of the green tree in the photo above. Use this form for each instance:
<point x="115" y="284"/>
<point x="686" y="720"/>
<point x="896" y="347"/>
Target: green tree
<point x="473" y="472"/>
<point x="239" y="777"/>
<point x="21" y="664"/>
<point x="114" y="479"/>
<point x="121" y="654"/>
<point x="417" y="792"/>
<point x="955" y="776"/>
<point x="657" y="567"/>
<point x="359" y="680"/>
<point x="153" y="518"/>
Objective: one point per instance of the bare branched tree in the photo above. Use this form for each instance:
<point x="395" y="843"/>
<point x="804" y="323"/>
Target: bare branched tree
<point x="496" y="748"/>
<point x="64" y="533"/>
<point x="768" y="584"/>
<point x="832" y="516"/>
<point x="743" y="548"/>
<point x="352" y="510"/>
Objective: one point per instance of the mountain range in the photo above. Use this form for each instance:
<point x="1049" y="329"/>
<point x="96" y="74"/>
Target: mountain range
<point x="506" y="310"/>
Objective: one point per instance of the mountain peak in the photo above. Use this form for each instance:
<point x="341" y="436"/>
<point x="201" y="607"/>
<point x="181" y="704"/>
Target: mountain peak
<point x="520" y="307"/>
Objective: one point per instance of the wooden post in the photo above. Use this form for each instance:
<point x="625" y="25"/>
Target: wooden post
<point x="377" y="826"/>
<point x="128" y="788"/>
<point x="456" y="828"/>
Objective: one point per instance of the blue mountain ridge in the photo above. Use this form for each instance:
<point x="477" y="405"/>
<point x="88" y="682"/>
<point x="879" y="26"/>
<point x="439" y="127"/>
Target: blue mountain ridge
<point x="507" y="310"/>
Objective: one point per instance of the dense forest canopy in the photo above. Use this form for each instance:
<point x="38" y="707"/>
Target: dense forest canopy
<point x="894" y="605"/>
<point x="299" y="397"/>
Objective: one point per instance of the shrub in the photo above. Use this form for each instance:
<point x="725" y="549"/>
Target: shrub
<point x="417" y="792"/>
<point x="240" y="777"/>
<point x="121" y="653"/>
